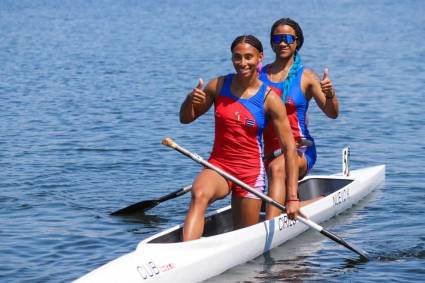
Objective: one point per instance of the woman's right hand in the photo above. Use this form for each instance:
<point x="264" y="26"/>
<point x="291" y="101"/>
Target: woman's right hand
<point x="198" y="96"/>
<point x="197" y="102"/>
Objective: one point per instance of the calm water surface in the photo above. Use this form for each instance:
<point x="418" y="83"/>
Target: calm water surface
<point x="88" y="89"/>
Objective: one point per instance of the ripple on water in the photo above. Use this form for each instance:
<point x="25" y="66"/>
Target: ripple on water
<point x="89" y="89"/>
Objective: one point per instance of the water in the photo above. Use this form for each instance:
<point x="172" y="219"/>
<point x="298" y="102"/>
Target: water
<point x="88" y="89"/>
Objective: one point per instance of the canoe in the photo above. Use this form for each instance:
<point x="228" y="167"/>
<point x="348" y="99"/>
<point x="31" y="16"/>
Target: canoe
<point x="163" y="257"/>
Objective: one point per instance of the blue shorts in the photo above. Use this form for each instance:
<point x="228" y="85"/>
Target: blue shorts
<point x="310" y="155"/>
<point x="308" y="152"/>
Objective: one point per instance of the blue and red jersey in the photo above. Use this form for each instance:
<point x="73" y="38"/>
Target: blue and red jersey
<point x="239" y="125"/>
<point x="296" y="107"/>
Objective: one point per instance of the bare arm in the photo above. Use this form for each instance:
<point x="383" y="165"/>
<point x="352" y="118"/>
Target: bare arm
<point x="322" y="91"/>
<point x="277" y="112"/>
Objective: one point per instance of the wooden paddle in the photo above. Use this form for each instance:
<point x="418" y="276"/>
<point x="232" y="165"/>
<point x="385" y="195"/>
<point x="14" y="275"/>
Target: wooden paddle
<point x="170" y="143"/>
<point x="142" y="206"/>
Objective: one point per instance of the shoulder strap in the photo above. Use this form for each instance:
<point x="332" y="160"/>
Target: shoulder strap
<point x="227" y="82"/>
<point x="267" y="93"/>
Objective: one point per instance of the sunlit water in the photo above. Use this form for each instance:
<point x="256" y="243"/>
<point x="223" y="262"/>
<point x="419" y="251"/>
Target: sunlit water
<point x="88" y="89"/>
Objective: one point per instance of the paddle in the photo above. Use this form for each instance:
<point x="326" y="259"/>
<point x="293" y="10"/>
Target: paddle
<point x="148" y="204"/>
<point x="170" y="143"/>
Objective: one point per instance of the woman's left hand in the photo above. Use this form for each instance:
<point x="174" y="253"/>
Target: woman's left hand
<point x="326" y="85"/>
<point x="292" y="208"/>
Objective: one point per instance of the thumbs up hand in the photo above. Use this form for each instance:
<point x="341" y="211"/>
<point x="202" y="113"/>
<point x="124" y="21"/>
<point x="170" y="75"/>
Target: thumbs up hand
<point x="200" y="84"/>
<point x="325" y="74"/>
<point x="198" y="96"/>
<point x="326" y="85"/>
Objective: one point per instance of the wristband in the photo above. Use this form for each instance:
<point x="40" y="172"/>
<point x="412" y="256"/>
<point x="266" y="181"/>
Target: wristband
<point x="292" y="200"/>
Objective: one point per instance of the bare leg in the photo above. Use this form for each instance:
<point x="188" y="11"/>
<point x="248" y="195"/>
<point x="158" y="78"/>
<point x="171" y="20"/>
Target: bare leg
<point x="246" y="211"/>
<point x="207" y="187"/>
<point x="276" y="185"/>
<point x="302" y="165"/>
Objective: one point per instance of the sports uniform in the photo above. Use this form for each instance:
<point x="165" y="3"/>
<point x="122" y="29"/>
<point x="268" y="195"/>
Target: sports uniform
<point x="296" y="108"/>
<point x="239" y="125"/>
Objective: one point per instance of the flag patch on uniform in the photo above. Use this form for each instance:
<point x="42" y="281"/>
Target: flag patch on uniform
<point x="250" y="122"/>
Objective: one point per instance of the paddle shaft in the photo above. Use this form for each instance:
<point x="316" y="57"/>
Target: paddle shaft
<point x="278" y="152"/>
<point x="142" y="206"/>
<point x="175" y="194"/>
<point x="169" y="142"/>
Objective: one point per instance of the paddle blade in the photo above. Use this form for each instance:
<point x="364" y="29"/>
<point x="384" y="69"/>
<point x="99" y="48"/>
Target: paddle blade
<point x="337" y="239"/>
<point x="136" y="208"/>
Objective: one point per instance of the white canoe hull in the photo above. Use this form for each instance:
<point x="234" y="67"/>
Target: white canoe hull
<point x="156" y="260"/>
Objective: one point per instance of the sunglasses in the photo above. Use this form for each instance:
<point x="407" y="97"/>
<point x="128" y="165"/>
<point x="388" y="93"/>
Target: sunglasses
<point x="287" y="38"/>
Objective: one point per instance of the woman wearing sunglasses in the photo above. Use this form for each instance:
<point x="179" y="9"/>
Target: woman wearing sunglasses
<point x="241" y="103"/>
<point x="297" y="86"/>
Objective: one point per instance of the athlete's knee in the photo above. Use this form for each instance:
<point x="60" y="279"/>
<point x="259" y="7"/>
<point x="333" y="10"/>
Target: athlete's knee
<point x="277" y="169"/>
<point x="200" y="196"/>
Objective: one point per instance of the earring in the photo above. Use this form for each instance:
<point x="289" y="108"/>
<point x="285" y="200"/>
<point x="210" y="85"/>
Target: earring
<point x="259" y="67"/>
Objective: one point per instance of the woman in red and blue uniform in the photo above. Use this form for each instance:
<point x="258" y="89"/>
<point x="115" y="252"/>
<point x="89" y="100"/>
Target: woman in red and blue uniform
<point x="296" y="86"/>
<point x="242" y="104"/>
